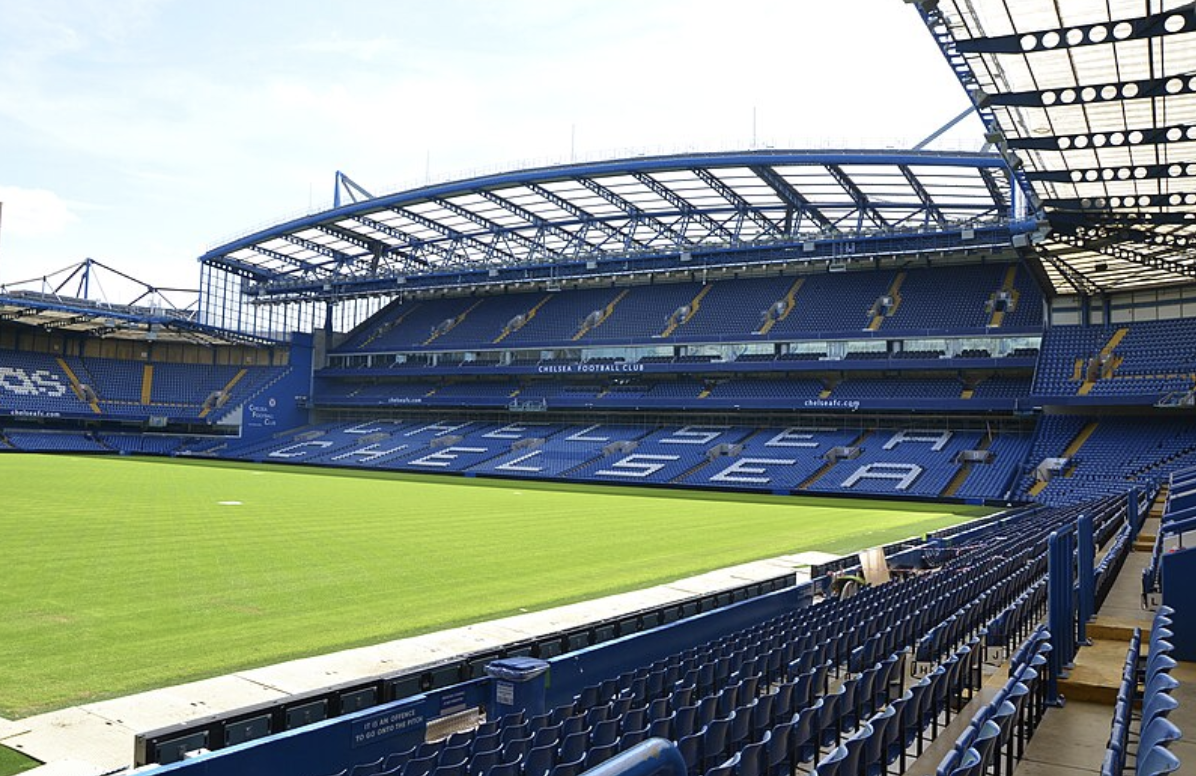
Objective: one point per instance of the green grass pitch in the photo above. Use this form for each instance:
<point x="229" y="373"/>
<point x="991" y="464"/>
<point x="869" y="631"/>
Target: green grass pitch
<point x="124" y="574"/>
<point x="13" y="762"/>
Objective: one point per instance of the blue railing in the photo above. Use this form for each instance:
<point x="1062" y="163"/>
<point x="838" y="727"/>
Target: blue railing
<point x="654" y="757"/>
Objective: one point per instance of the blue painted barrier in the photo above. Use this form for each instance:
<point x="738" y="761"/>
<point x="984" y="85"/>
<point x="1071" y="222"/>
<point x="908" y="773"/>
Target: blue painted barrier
<point x="323" y="748"/>
<point x="1179" y="579"/>
<point x="1085" y="558"/>
<point x="1132" y="512"/>
<point x="1060" y="609"/>
<point x="569" y="673"/>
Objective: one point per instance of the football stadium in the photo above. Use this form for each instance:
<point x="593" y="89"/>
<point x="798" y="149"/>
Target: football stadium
<point x="765" y="462"/>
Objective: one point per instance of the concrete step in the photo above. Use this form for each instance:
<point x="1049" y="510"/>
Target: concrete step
<point x="1097" y="672"/>
<point x="1115" y="629"/>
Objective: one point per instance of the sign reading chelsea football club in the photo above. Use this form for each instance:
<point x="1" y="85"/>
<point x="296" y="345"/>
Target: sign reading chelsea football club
<point x="585" y="368"/>
<point x="262" y="414"/>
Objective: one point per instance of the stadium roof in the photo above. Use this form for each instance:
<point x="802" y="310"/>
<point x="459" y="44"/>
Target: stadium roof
<point x="674" y="205"/>
<point x="66" y="301"/>
<point x="1094" y="106"/>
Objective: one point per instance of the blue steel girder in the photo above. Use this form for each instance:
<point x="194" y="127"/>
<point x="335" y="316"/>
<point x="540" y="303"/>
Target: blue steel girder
<point x="343" y="183"/>
<point x="81" y="272"/>
<point x="863" y="204"/>
<point x="587" y="219"/>
<point x="340" y="259"/>
<point x="574" y="245"/>
<point x="793" y="198"/>
<point x="241" y="269"/>
<point x="714" y="227"/>
<point x="929" y="207"/>
<point x="535" y="247"/>
<point x="372" y="247"/>
<point x="1080" y="35"/>
<point x="416" y="246"/>
<point x="458" y="240"/>
<point x="742" y="206"/>
<point x="306" y="267"/>
<point x="637" y="215"/>
<point x="375" y="249"/>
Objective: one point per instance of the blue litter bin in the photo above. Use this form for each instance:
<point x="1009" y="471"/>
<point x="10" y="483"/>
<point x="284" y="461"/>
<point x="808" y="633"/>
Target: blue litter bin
<point x="519" y="684"/>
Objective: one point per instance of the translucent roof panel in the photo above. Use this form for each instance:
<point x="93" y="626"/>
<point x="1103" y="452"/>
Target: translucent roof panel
<point x="1094" y="105"/>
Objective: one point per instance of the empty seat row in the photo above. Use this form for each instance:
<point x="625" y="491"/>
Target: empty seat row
<point x="1145" y="701"/>
<point x="826" y="687"/>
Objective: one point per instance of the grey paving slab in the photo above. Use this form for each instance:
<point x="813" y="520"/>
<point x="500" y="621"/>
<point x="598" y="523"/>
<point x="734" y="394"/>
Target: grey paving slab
<point x="65" y="768"/>
<point x="9" y="728"/>
<point x="75" y="734"/>
<point x="809" y="558"/>
<point x="181" y="703"/>
<point x="710" y="582"/>
<point x="306" y="674"/>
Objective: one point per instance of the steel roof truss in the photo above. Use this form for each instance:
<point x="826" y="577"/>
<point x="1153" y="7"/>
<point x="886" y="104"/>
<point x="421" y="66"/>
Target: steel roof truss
<point x="587" y="219"/>
<point x="1096" y="93"/>
<point x="374" y="249"/>
<point x="995" y="189"/>
<point x="1157" y="25"/>
<point x="1179" y="133"/>
<point x="941" y="29"/>
<point x="863" y="204"/>
<point x="338" y="258"/>
<point x="573" y="241"/>
<point x="1116" y="174"/>
<point x="536" y="248"/>
<point x="684" y="206"/>
<point x="1077" y="280"/>
<point x="793" y="198"/>
<point x="741" y="205"/>
<point x="930" y="208"/>
<point x="1099" y="215"/>
<point x="1108" y="246"/>
<point x="309" y="269"/>
<point x="417" y="247"/>
<point x="637" y="215"/>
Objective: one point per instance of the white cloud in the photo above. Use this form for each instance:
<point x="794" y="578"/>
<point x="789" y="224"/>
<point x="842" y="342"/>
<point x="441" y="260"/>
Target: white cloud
<point x="364" y="49"/>
<point x="34" y="212"/>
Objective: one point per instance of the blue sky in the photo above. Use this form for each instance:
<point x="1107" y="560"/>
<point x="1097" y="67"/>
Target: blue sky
<point x="142" y="132"/>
